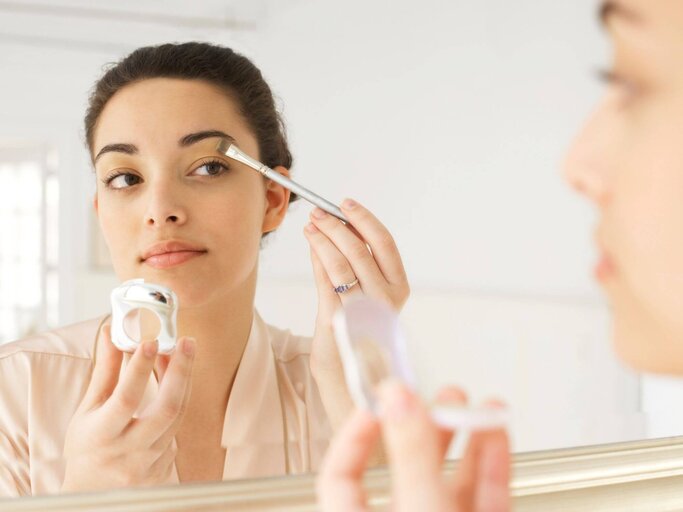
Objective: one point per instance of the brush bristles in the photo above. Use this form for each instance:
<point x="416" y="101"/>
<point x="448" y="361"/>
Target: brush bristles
<point x="223" y="146"/>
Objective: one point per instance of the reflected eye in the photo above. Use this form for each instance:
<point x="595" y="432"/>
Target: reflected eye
<point x="211" y="168"/>
<point x="122" y="180"/>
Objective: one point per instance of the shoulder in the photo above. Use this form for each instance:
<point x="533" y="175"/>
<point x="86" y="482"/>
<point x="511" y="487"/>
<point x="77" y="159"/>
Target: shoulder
<point x="72" y="341"/>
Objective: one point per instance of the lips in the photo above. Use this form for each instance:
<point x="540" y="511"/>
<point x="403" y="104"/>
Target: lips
<point x="605" y="267"/>
<point x="171" y="253"/>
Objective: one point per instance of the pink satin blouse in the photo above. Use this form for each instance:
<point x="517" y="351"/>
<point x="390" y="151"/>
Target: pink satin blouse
<point x="275" y="423"/>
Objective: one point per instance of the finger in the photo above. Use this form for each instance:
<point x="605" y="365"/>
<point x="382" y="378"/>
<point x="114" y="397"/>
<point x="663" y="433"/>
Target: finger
<point x="161" y="366"/>
<point x="171" y="430"/>
<point x="493" y="476"/>
<point x="354" y="249"/>
<point x="340" y="482"/>
<point x="333" y="261"/>
<point x="379" y="239"/>
<point x="128" y="394"/>
<point x="453" y="396"/>
<point x="413" y="448"/>
<point x="169" y="406"/>
<point x="159" y="470"/>
<point x="107" y="366"/>
<point x="328" y="299"/>
<point x="464" y="485"/>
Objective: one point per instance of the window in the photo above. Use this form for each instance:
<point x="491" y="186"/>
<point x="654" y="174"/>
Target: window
<point x="29" y="235"/>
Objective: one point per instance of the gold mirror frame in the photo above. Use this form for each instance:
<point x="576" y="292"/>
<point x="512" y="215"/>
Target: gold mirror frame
<point x="642" y="475"/>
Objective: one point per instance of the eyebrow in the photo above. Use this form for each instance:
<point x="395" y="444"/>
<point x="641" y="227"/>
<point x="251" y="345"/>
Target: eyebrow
<point x="193" y="138"/>
<point x="128" y="149"/>
<point x="610" y="9"/>
<point x="187" y="140"/>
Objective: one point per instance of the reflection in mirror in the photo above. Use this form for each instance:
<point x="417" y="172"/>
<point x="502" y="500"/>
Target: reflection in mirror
<point x="449" y="134"/>
<point x="141" y="325"/>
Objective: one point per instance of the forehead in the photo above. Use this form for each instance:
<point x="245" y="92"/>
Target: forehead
<point x="654" y="14"/>
<point x="648" y="33"/>
<point x="166" y="109"/>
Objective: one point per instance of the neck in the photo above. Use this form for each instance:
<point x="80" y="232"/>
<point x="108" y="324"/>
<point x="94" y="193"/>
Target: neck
<point x="221" y="329"/>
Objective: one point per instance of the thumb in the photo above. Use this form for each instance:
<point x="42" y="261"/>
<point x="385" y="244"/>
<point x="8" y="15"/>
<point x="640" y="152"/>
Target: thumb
<point x="106" y="371"/>
<point x="414" y="449"/>
<point x="493" y="479"/>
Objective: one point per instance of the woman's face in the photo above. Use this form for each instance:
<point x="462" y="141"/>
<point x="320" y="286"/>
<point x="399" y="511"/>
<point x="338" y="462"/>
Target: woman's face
<point x="160" y="181"/>
<point x="628" y="160"/>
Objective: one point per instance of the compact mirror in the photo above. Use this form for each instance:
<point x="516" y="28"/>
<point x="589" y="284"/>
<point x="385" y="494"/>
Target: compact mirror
<point x="143" y="311"/>
<point x="373" y="348"/>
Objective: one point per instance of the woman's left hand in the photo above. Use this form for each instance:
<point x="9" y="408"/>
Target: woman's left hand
<point x="363" y="250"/>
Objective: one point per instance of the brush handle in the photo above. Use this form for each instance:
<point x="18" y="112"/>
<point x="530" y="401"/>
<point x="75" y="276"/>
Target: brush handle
<point x="309" y="196"/>
<point x="232" y="151"/>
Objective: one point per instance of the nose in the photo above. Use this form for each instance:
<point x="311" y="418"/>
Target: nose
<point x="589" y="162"/>
<point x="164" y="207"/>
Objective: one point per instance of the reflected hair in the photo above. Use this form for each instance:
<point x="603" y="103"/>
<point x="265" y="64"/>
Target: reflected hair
<point x="220" y="66"/>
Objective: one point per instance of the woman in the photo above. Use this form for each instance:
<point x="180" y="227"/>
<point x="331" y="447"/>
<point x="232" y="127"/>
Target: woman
<point x="627" y="161"/>
<point x="237" y="398"/>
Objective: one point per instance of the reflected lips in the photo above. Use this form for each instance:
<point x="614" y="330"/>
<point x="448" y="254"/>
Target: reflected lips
<point x="171" y="253"/>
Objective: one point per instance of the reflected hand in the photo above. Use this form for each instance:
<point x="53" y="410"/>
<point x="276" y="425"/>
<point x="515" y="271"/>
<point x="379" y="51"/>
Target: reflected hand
<point x="106" y="447"/>
<point x="363" y="250"/>
<point x="416" y="448"/>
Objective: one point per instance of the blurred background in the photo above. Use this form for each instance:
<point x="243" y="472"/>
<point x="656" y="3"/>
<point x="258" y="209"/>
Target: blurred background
<point x="448" y="119"/>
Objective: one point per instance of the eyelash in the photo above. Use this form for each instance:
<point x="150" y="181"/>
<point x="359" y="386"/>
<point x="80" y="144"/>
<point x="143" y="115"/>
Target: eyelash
<point x="112" y="176"/>
<point x="223" y="165"/>
<point x="115" y="174"/>
<point x="608" y="76"/>
<point x="613" y="78"/>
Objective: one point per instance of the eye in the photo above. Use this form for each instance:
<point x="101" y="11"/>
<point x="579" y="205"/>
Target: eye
<point x="211" y="168"/>
<point x="627" y="88"/>
<point x="610" y="77"/>
<point x="122" y="180"/>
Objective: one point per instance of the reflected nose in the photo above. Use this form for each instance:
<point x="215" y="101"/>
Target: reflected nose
<point x="159" y="219"/>
<point x="164" y="208"/>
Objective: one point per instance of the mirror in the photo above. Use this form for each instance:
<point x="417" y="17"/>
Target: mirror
<point x="448" y="120"/>
<point x="141" y="325"/>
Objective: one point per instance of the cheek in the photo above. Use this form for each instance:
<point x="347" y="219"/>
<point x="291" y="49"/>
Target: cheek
<point x="111" y="222"/>
<point x="235" y="216"/>
<point x="648" y="214"/>
<point x="118" y="230"/>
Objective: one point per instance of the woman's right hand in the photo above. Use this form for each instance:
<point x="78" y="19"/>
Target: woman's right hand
<point x="107" y="447"/>
<point x="416" y="447"/>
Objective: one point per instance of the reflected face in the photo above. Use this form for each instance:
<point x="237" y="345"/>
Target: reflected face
<point x="172" y="210"/>
<point x="628" y="160"/>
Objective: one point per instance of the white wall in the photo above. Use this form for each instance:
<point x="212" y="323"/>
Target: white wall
<point x="448" y="119"/>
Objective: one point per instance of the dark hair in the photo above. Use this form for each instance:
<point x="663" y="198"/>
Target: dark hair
<point x="233" y="73"/>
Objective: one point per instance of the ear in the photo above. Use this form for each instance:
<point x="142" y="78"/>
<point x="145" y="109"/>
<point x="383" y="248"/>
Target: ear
<point x="96" y="204"/>
<point x="277" y="202"/>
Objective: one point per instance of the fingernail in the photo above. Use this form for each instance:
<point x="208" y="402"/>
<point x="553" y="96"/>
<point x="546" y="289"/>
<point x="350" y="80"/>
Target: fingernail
<point x="319" y="213"/>
<point x="149" y="348"/>
<point x="349" y="204"/>
<point x="451" y="395"/>
<point x="396" y="402"/>
<point x="310" y="227"/>
<point x="188" y="346"/>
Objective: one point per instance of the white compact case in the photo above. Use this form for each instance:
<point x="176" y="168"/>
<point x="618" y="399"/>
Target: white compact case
<point x="373" y="348"/>
<point x="136" y="294"/>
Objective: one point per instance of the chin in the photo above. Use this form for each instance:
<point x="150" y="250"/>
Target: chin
<point x="191" y="291"/>
<point x="646" y="346"/>
<point x="189" y="287"/>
